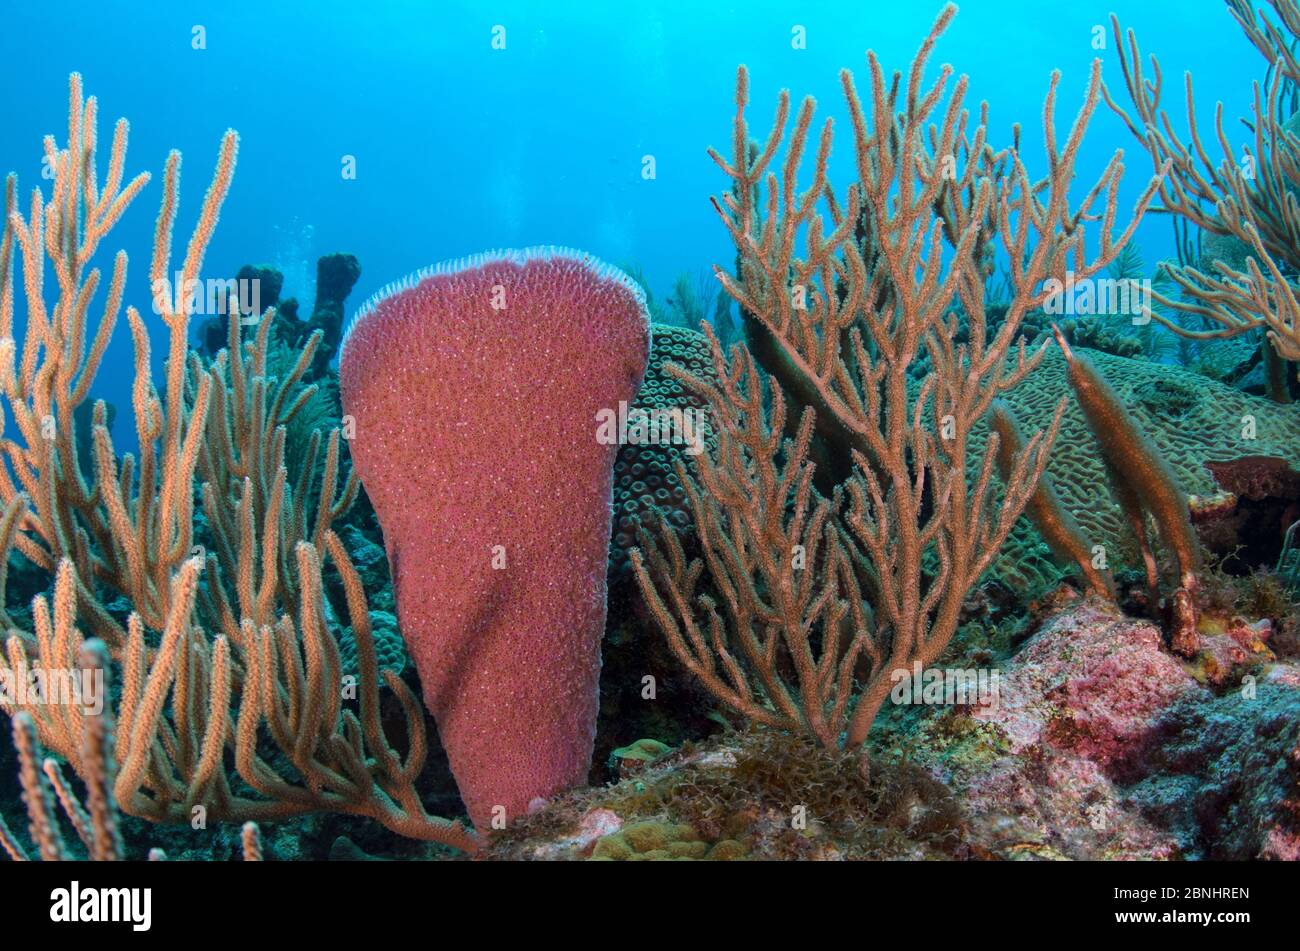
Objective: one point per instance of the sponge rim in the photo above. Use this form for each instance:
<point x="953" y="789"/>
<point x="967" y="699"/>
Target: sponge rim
<point x="473" y="262"/>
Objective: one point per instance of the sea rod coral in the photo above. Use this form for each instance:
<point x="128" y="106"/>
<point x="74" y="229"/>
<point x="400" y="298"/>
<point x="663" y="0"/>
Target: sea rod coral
<point x="1143" y="483"/>
<point x="801" y="609"/>
<point x="96" y="822"/>
<point x="498" y="544"/>
<point x="227" y="654"/>
<point x="1250" y="199"/>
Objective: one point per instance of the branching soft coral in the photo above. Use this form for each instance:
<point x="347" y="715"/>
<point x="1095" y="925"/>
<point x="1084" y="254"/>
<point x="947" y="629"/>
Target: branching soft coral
<point x="800" y="612"/>
<point x="96" y="821"/>
<point x="228" y="640"/>
<point x="1246" y="194"/>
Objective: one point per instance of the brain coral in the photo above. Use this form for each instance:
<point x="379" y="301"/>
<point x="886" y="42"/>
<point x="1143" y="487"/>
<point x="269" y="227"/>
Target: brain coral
<point x="475" y="388"/>
<point x="645" y="475"/>
<point x="1193" y="420"/>
<point x="390" y="652"/>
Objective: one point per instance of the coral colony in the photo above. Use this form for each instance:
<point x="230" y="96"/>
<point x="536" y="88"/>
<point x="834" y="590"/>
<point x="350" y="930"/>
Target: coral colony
<point x="973" y="537"/>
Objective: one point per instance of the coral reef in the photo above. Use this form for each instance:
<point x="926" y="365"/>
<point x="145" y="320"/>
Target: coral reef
<point x="1225" y="780"/>
<point x="1098" y="744"/>
<point x="756" y="795"/>
<point x="872" y="571"/>
<point x="1143" y="483"/>
<point x="97" y="821"/>
<point x="1102" y="745"/>
<point x="336" y="275"/>
<point x="499" y="558"/>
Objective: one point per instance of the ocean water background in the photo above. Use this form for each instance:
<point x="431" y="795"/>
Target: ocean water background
<point x="460" y="147"/>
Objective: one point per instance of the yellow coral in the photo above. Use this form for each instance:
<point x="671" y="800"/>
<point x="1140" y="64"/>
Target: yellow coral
<point x="651" y="840"/>
<point x="727" y="850"/>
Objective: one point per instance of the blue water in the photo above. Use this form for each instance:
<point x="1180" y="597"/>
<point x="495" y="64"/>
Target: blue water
<point x="459" y="147"/>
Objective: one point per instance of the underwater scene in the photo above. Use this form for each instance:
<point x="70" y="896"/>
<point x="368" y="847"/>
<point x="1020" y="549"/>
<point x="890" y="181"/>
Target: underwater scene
<point x="675" y="431"/>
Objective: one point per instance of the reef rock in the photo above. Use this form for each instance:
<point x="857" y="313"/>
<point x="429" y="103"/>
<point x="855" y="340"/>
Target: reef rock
<point x="1226" y="779"/>
<point x="1099" y="743"/>
<point x="1102" y="745"/>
